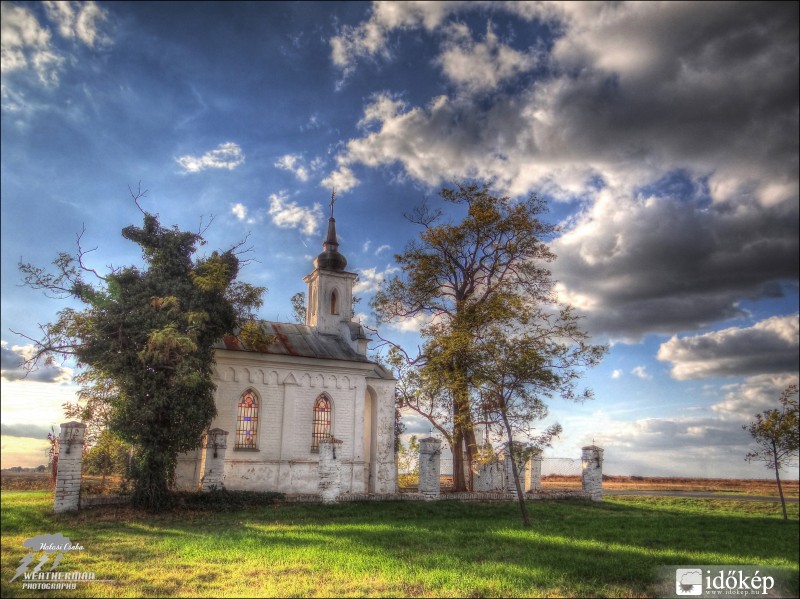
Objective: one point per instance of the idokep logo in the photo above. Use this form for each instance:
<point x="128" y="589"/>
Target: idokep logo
<point x="721" y="581"/>
<point x="688" y="581"/>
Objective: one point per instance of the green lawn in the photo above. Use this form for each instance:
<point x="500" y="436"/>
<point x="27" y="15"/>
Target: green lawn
<point x="445" y="549"/>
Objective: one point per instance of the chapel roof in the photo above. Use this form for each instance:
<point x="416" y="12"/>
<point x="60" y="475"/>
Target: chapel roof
<point x="300" y="341"/>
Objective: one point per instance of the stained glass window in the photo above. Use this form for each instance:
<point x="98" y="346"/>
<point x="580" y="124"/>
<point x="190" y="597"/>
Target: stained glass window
<point x="322" y="421"/>
<point x="247" y="421"/>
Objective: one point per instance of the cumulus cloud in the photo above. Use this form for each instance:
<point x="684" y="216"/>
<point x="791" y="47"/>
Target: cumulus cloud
<point x="81" y="20"/>
<point x="617" y="373"/>
<point x="382" y="248"/>
<point x="769" y="346"/>
<point x="480" y="66"/>
<point x="27" y="45"/>
<point x="294" y="164"/>
<point x="239" y="211"/>
<point x="741" y="401"/>
<point x="13" y="357"/>
<point x="289" y="215"/>
<point x="342" y="179"/>
<point x="666" y="264"/>
<point x="370" y="39"/>
<point x="371" y="279"/>
<point x="684" y="215"/>
<point x="227" y="155"/>
<point x="641" y="373"/>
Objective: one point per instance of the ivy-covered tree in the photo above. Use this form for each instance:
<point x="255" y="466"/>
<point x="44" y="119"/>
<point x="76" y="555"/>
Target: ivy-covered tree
<point x="149" y="334"/>
<point x="777" y="434"/>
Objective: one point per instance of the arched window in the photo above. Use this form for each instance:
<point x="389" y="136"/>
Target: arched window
<point x="322" y="421"/>
<point x="247" y="421"/>
<point x="334" y="302"/>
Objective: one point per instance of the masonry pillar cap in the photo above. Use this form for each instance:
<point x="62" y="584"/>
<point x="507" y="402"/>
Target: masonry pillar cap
<point x="430" y="440"/>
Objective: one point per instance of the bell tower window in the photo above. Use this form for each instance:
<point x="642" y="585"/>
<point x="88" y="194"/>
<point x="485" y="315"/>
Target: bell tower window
<point x="334" y="302"/>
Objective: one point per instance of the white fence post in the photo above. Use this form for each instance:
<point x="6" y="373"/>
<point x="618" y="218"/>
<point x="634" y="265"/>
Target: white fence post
<point x="592" y="467"/>
<point x="68" y="475"/>
<point x="430" y="451"/>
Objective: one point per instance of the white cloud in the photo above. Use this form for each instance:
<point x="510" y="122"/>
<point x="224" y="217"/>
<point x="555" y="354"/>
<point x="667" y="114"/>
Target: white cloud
<point x="382" y="249"/>
<point x="294" y="164"/>
<point x="769" y="346"/>
<point x="617" y="373"/>
<point x="742" y="401"/>
<point x="413" y="324"/>
<point x="80" y="20"/>
<point x="370" y="279"/>
<point x="13" y="357"/>
<point x="371" y="37"/>
<point x="227" y="155"/>
<point x="365" y="246"/>
<point x="239" y="211"/>
<point x="683" y="214"/>
<point x="665" y="264"/>
<point x="289" y="215"/>
<point x="481" y="66"/>
<point x="641" y="372"/>
<point x="26" y="44"/>
<point x="342" y="179"/>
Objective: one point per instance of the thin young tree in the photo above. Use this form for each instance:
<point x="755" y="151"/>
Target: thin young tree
<point x="521" y="364"/>
<point x="777" y="435"/>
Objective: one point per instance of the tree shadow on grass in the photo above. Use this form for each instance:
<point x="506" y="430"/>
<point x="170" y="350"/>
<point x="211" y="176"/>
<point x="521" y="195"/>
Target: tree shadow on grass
<point x="575" y="548"/>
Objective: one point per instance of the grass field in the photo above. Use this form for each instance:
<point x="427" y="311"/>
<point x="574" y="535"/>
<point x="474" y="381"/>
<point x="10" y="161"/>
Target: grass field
<point x="444" y="549"/>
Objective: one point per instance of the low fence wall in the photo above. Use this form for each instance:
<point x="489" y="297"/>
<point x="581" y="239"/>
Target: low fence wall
<point x="493" y="481"/>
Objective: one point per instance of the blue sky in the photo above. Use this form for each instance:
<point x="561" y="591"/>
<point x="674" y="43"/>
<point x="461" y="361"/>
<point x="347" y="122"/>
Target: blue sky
<point x="664" y="137"/>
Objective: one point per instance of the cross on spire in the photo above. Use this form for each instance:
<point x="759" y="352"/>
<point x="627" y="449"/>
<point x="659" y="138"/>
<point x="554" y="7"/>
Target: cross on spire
<point x="333" y="200"/>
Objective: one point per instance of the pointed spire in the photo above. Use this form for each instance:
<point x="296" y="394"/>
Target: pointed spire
<point x="330" y="258"/>
<point x="331" y="244"/>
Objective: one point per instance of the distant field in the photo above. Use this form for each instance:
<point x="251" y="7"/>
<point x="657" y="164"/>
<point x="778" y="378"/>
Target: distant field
<point x="642" y="483"/>
<point x="30" y="481"/>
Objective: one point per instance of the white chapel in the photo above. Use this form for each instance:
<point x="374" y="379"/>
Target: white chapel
<point x="312" y="383"/>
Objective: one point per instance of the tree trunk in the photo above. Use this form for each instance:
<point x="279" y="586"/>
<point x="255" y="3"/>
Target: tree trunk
<point x="459" y="484"/>
<point x="778" y="478"/>
<point x="471" y="450"/>
<point x="523" y="507"/>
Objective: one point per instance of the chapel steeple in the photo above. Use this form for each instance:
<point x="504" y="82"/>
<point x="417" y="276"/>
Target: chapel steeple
<point x="330" y="258"/>
<point x="330" y="292"/>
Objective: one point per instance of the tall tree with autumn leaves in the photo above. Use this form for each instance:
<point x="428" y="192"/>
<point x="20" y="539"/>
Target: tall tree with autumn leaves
<point x="488" y="272"/>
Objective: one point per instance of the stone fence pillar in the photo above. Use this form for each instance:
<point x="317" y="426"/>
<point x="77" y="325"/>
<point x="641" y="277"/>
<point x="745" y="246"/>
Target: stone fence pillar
<point x="533" y="472"/>
<point x="592" y="467"/>
<point x="212" y="466"/>
<point x="330" y="469"/>
<point x="430" y="452"/>
<point x="68" y="475"/>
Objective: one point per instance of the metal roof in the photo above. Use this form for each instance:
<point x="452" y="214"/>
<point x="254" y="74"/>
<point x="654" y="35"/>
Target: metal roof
<point x="297" y="340"/>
